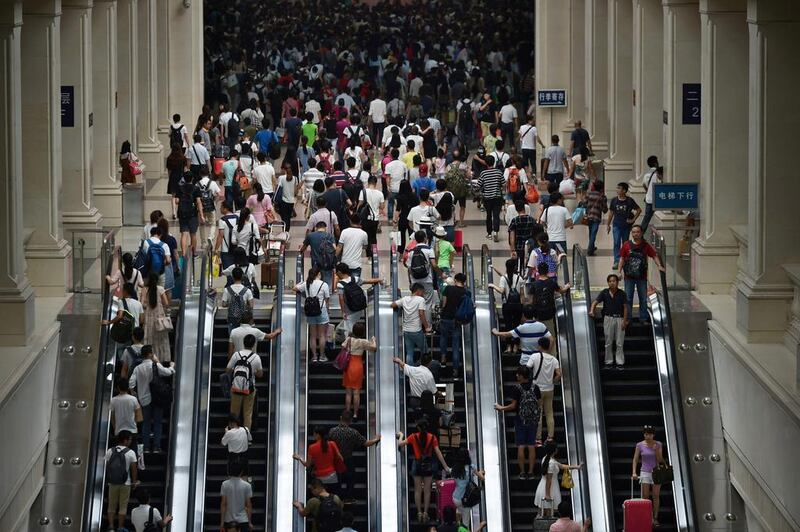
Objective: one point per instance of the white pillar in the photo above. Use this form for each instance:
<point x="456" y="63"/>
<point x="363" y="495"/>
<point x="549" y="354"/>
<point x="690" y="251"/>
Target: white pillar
<point x="105" y="162"/>
<point x="186" y="60"/>
<point x="723" y="135"/>
<point x="149" y="146"/>
<point x="553" y="69"/>
<point x="619" y="164"/>
<point x="681" y="66"/>
<point x="595" y="35"/>
<point x="16" y="292"/>
<point x="764" y="292"/>
<point x="648" y="72"/>
<point x="127" y="72"/>
<point x="163" y="42"/>
<point x="577" y="62"/>
<point x="78" y="208"/>
<point x="46" y="251"/>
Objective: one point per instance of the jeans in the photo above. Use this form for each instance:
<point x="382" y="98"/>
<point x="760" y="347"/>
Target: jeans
<point x="492" y="206"/>
<point x="641" y="286"/>
<point x="450" y="233"/>
<point x="412" y="341"/>
<point x="152" y="418"/>
<point x="450" y="337"/>
<point x="648" y="214"/>
<point x="621" y="234"/>
<point x="594" y="225"/>
<point x="390" y="204"/>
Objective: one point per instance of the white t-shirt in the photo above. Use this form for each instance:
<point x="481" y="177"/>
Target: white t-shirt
<point x="420" y="379"/>
<point x="374" y="199"/>
<point x="377" y="111"/>
<point x="313" y="107"/>
<point x="134" y="307"/>
<point x="508" y="113"/>
<point x="650" y="178"/>
<point x="356" y="153"/>
<point x="238" y="439"/>
<point x="157" y="241"/>
<point x="124" y="408"/>
<point x="237" y="335"/>
<point x="182" y="129"/>
<point x="288" y="188"/>
<point x="318" y="288"/>
<point x="248" y="232"/>
<point x="249" y="272"/>
<point x="437" y="197"/>
<point x="396" y="170"/>
<point x="353" y="240"/>
<point x="142" y="377"/>
<point x="212" y="186"/>
<point x="549" y="366"/>
<point x="130" y="458"/>
<point x="555" y="218"/>
<point x="500" y="156"/>
<point x="411" y="306"/>
<point x="229" y="238"/>
<point x="527" y="136"/>
<point x="245" y="292"/>
<point x="423" y="213"/>
<point x="511" y="212"/>
<point x="523" y="176"/>
<point x="430" y="255"/>
<point x="310" y="177"/>
<point x="264" y="174"/>
<point x="529" y="333"/>
<point x="516" y="281"/>
<point x="141" y="514"/>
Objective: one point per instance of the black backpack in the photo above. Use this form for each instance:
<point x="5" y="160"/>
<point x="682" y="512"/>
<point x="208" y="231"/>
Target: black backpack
<point x="354" y="296"/>
<point x="117" y="467"/>
<point x="635" y="266"/>
<point x="312" y="306"/>
<point x="365" y="211"/>
<point x="161" y="389"/>
<point x="465" y="113"/>
<point x="329" y="515"/>
<point x="122" y="331"/>
<point x="150" y="525"/>
<point x="327" y="255"/>
<point x="513" y="297"/>
<point x="187" y="207"/>
<point x="206" y="197"/>
<point x="544" y="300"/>
<point x="420" y="265"/>
<point x="175" y="135"/>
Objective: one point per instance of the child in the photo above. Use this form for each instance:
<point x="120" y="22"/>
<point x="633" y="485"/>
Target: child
<point x="439" y="164"/>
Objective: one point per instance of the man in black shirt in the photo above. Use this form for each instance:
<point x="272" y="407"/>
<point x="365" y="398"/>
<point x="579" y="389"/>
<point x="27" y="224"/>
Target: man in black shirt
<point x="615" y="319"/>
<point x="578" y="139"/>
<point x="521" y="229"/>
<point x="449" y="330"/>
<point x="349" y="440"/>
<point x="337" y="202"/>
<point x="544" y="296"/>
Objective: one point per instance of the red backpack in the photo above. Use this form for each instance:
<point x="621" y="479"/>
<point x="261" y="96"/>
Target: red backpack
<point x="513" y="180"/>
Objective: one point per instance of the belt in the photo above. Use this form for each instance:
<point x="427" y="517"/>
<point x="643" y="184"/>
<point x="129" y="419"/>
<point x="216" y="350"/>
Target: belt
<point x="614" y="315"/>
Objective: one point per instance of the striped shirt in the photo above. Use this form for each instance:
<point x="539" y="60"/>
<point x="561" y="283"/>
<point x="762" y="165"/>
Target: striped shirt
<point x="491" y="183"/>
<point x="529" y="333"/>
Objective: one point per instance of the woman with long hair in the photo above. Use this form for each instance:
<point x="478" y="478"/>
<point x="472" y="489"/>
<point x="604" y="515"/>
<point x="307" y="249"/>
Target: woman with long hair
<point x="543" y="252"/>
<point x="177" y="164"/>
<point x="424" y="446"/>
<point x="156" y="312"/>
<point x="406" y="200"/>
<point x="125" y="274"/>
<point x="649" y="452"/>
<point x="511" y="289"/>
<point x="314" y="286"/>
<point x="172" y="270"/>
<point x="353" y="376"/>
<point x="287" y="186"/>
<point x="463" y="472"/>
<point x="260" y="206"/>
<point x="323" y="458"/>
<point x="127" y="159"/>
<point x="240" y="260"/>
<point x="548" y="492"/>
<point x="248" y="234"/>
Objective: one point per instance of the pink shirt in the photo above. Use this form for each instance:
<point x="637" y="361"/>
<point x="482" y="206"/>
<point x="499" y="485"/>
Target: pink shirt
<point x="258" y="209"/>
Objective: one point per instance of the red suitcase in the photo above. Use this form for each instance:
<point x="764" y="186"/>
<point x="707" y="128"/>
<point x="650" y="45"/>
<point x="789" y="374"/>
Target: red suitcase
<point x="459" y="240"/>
<point x="218" y="162"/>
<point x="444" y="495"/>
<point x="638" y="514"/>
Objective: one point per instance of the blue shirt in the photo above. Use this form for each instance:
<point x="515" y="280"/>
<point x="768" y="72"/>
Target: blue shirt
<point x="423" y="182"/>
<point x="264" y="138"/>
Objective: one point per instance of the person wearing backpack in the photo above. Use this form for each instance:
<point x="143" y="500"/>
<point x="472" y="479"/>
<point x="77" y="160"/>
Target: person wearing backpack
<point x="543" y="292"/>
<point x="238" y="299"/>
<point x="458" y="182"/>
<point x="121" y="475"/>
<point x="146" y="518"/>
<point x="323" y="507"/>
<point x="210" y="192"/>
<point x="131" y="356"/>
<point x="157" y="321"/>
<point x="450" y="330"/>
<point x="317" y="294"/>
<point x="511" y="288"/>
<point x="528" y="332"/>
<point x="633" y="258"/>
<point x="524" y="398"/>
<point x="544" y="253"/>
<point x="445" y="203"/>
<point x="236" y="505"/>
<point x="548" y="372"/>
<point x="129" y="310"/>
<point x="422" y="267"/>
<point x="415" y="321"/>
<point x="244" y="367"/>
<point x="352" y="296"/>
<point x="227" y="236"/>
<point x="156" y="254"/>
<point x="323" y="248"/>
<point x="153" y="406"/>
<point x="425" y="446"/>
<point x="371" y="207"/>
<point x="178" y="134"/>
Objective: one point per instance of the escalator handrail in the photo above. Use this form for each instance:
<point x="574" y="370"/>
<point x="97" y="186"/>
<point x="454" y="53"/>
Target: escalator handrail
<point x="487" y="277"/>
<point x="301" y="374"/>
<point x="601" y="493"/>
<point x="95" y="468"/>
<point x="373" y="461"/>
<point x="400" y="386"/>
<point x="669" y="385"/>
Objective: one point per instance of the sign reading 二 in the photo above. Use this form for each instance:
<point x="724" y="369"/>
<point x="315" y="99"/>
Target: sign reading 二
<point x="552" y="97"/>
<point x="675" y="196"/>
<point x="67" y="106"/>
<point x="691" y="103"/>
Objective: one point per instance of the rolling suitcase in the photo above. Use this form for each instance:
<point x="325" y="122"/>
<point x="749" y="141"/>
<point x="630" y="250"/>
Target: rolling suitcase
<point x="459" y="240"/>
<point x="269" y="274"/>
<point x="444" y="495"/>
<point x="638" y="514"/>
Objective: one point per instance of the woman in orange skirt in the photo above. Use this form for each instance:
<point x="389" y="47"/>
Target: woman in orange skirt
<point x="353" y="378"/>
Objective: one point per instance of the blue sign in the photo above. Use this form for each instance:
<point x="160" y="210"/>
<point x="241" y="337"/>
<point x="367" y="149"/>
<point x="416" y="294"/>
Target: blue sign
<point x="67" y="106"/>
<point x="675" y="196"/>
<point x="691" y="103"/>
<point x="552" y="97"/>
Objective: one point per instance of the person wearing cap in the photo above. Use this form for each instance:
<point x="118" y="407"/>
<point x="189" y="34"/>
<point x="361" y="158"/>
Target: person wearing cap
<point x="649" y="452"/>
<point x="444" y="251"/>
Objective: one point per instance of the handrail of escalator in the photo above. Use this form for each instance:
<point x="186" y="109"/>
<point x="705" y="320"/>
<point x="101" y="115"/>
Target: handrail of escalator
<point x="487" y="278"/>
<point x="374" y="371"/>
<point x="597" y="469"/>
<point x="669" y="385"/>
<point x="300" y="395"/>
<point x="571" y="399"/>
<point x="400" y="401"/>
<point x="106" y="359"/>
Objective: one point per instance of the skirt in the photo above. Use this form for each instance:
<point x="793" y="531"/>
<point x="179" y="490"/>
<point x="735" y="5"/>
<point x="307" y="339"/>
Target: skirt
<point x="322" y="319"/>
<point x="353" y="377"/>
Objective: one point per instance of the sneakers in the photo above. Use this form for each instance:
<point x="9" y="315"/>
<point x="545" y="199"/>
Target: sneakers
<point x="323" y="358"/>
<point x="522" y="476"/>
<point x="496" y="237"/>
<point x="538" y="443"/>
<point x="488" y="236"/>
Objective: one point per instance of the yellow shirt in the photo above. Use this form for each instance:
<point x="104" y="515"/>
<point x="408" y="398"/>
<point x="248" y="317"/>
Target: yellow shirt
<point x="408" y="159"/>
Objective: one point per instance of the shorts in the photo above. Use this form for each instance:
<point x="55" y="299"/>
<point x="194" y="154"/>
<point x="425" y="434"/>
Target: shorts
<point x="462" y="202"/>
<point x="646" y="478"/>
<point x="415" y="462"/>
<point x="322" y="319"/>
<point x="524" y="434"/>
<point x="189" y="225"/>
<point x="118" y="495"/>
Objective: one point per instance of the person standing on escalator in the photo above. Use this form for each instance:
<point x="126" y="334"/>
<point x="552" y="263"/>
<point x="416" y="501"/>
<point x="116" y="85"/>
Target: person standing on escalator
<point x="450" y="331"/>
<point x="633" y="258"/>
<point x="525" y="398"/>
<point x="615" y="320"/>
<point x="649" y="451"/>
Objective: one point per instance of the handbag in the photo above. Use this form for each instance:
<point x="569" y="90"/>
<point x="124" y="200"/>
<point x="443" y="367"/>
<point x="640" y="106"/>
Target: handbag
<point x="343" y="358"/>
<point x="136" y="169"/>
<point x="566" y="480"/>
<point x="472" y="493"/>
<point x="338" y="464"/>
<point x="163" y="323"/>
<point x="663" y="474"/>
<point x="579" y="215"/>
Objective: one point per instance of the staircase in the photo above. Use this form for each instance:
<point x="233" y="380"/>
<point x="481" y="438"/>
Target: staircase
<point x="631" y="400"/>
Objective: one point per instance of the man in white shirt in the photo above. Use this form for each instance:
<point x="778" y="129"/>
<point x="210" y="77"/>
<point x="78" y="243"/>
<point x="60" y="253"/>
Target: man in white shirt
<point x="141" y="379"/>
<point x="247" y="357"/>
<point x="141" y="515"/>
<point x="420" y="378"/>
<point x="528" y="137"/>
<point x="557" y="220"/>
<point x="528" y="333"/>
<point x="125" y="409"/>
<point x="227" y="236"/>
<point x="500" y="156"/>
<point x="176" y="129"/>
<point x="414" y="86"/>
<point x="119" y="492"/>
<point x="237" y="289"/>
<point x="654" y="174"/>
<point x="237" y="336"/>
<point x="377" y="116"/>
<point x="264" y="174"/>
<point x="352" y="242"/>
<point x="424" y="215"/>
<point x="313" y="107"/>
<point x="545" y="372"/>
<point x="198" y="156"/>
<point x="415" y="322"/>
<point x="395" y="171"/>
<point x="372" y="197"/>
<point x="509" y="122"/>
<point x="237" y="439"/>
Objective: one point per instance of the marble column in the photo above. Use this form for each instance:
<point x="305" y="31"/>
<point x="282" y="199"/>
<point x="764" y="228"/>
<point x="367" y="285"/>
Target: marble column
<point x="577" y="77"/>
<point x="619" y="163"/>
<point x="186" y="59"/>
<point x="764" y="291"/>
<point x="723" y="134"/>
<point x="105" y="160"/>
<point x="46" y="251"/>
<point x="163" y="41"/>
<point x="681" y="66"/>
<point x="648" y="72"/>
<point x="127" y="72"/>
<point x="78" y="210"/>
<point x="595" y="35"/>
<point x="149" y="146"/>
<point x="553" y="69"/>
<point x="16" y="292"/>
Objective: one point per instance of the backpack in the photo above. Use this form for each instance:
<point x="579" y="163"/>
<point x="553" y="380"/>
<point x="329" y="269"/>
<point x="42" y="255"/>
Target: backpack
<point x="466" y="309"/>
<point x="635" y="266"/>
<point x="117" y="467"/>
<point x="242" y="381"/>
<point x="327" y="255"/>
<point x="513" y="297"/>
<point x="206" y="197"/>
<point x="513" y="180"/>
<point x="233" y="130"/>
<point x="150" y="525"/>
<point x="122" y="331"/>
<point x="136" y="357"/>
<point x="187" y="207"/>
<point x="465" y="113"/>
<point x="445" y="206"/>
<point x="354" y="296"/>
<point x="154" y="259"/>
<point x="329" y="515"/>
<point x="161" y="389"/>
<point x="311" y="306"/>
<point x="236" y="306"/>
<point x="457" y="181"/>
<point x="425" y="463"/>
<point x="498" y="161"/>
<point x="175" y="135"/>
<point x="552" y="264"/>
<point x="420" y="265"/>
<point x="365" y="211"/>
<point x="233" y="236"/>
<point x="247" y="149"/>
<point x="275" y="150"/>
<point x="528" y="408"/>
<point x="544" y="301"/>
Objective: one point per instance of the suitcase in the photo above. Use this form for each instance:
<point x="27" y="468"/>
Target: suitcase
<point x="638" y="514"/>
<point x="444" y="495"/>
<point x="269" y="274"/>
<point x="218" y="162"/>
<point x="459" y="240"/>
